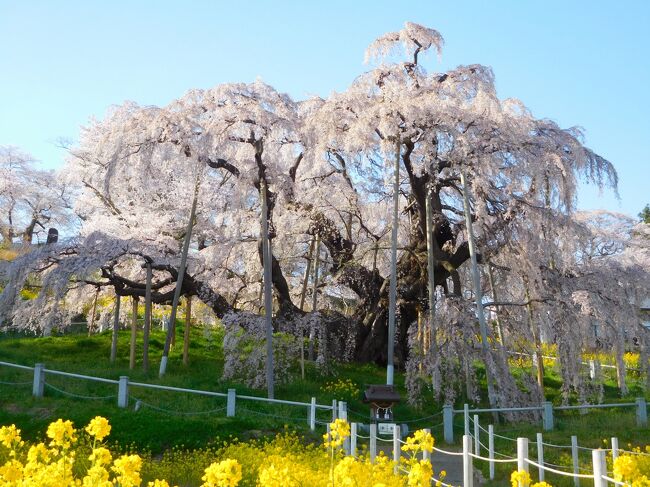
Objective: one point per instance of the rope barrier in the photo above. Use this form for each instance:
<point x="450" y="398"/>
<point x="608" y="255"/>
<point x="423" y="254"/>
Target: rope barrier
<point x="613" y="481"/>
<point x="15" y="383"/>
<point x="493" y="460"/>
<point x="170" y="411"/>
<point x="452" y="453"/>
<point x="559" y="472"/>
<point x="80" y="396"/>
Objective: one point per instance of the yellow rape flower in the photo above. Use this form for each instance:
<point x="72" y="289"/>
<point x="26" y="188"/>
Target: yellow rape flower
<point x="625" y="468"/>
<point x="226" y="473"/>
<point x="38" y="454"/>
<point x="9" y="436"/>
<point x="99" y="428"/>
<point x="420" y="474"/>
<point x="61" y="433"/>
<point x="158" y="483"/>
<point x="520" y="477"/>
<point x="11" y="472"/>
<point x="420" y="441"/>
<point x="339" y="431"/>
<point x="127" y="468"/>
<point x="97" y="476"/>
<point x="100" y="456"/>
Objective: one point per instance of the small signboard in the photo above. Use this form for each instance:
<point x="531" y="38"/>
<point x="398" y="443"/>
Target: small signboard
<point x="385" y="428"/>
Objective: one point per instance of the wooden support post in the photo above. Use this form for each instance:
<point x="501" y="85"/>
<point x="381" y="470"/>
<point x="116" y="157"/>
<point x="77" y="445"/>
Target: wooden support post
<point x="186" y="331"/>
<point x="478" y="293"/>
<point x="392" y="293"/>
<point x="147" y="318"/>
<point x="91" y="325"/>
<point x="314" y="303"/>
<point x="134" y="331"/>
<point x="116" y="327"/>
<point x="179" y="280"/>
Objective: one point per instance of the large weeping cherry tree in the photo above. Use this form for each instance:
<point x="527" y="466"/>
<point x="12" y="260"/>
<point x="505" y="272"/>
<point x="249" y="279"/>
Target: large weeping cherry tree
<point x="326" y="168"/>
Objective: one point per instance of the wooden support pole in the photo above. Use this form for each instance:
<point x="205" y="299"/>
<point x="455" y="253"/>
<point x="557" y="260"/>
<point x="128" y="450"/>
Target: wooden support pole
<point x="186" y="334"/>
<point x="478" y="294"/>
<point x="392" y="294"/>
<point x="91" y="325"/>
<point x="116" y="327"/>
<point x="179" y="281"/>
<point x="134" y="331"/>
<point x="147" y="318"/>
<point x="268" y="296"/>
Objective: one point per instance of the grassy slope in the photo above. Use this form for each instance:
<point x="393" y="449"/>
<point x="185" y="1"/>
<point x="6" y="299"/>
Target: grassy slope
<point x="151" y="429"/>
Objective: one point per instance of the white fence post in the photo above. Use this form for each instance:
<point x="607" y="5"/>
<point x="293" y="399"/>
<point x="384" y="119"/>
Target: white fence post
<point x="448" y="423"/>
<point x="230" y="404"/>
<point x="614" y="447"/>
<point x="343" y="414"/>
<point x="343" y="410"/>
<point x="540" y="456"/>
<point x="39" y="380"/>
<point x="466" y="413"/>
<point x="353" y="439"/>
<point x="333" y="410"/>
<point x="396" y="446"/>
<point x="576" y="461"/>
<point x="600" y="467"/>
<point x="477" y="435"/>
<point x="123" y="392"/>
<point x="312" y="414"/>
<point x="426" y="455"/>
<point x="491" y="449"/>
<point x="373" y="442"/>
<point x="522" y="455"/>
<point x="468" y="471"/>
<point x="548" y="415"/>
<point x="641" y="412"/>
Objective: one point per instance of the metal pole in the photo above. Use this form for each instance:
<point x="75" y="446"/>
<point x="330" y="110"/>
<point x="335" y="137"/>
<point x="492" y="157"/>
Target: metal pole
<point x="268" y="298"/>
<point x="392" y="296"/>
<point x="477" y="287"/>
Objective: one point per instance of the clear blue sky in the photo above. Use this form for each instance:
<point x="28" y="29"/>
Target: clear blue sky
<point x="578" y="62"/>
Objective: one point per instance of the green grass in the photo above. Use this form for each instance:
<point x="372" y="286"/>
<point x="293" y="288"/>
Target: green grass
<point x="157" y="431"/>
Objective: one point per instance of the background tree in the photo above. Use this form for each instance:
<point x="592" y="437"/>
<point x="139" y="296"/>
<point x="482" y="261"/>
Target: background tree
<point x="31" y="200"/>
